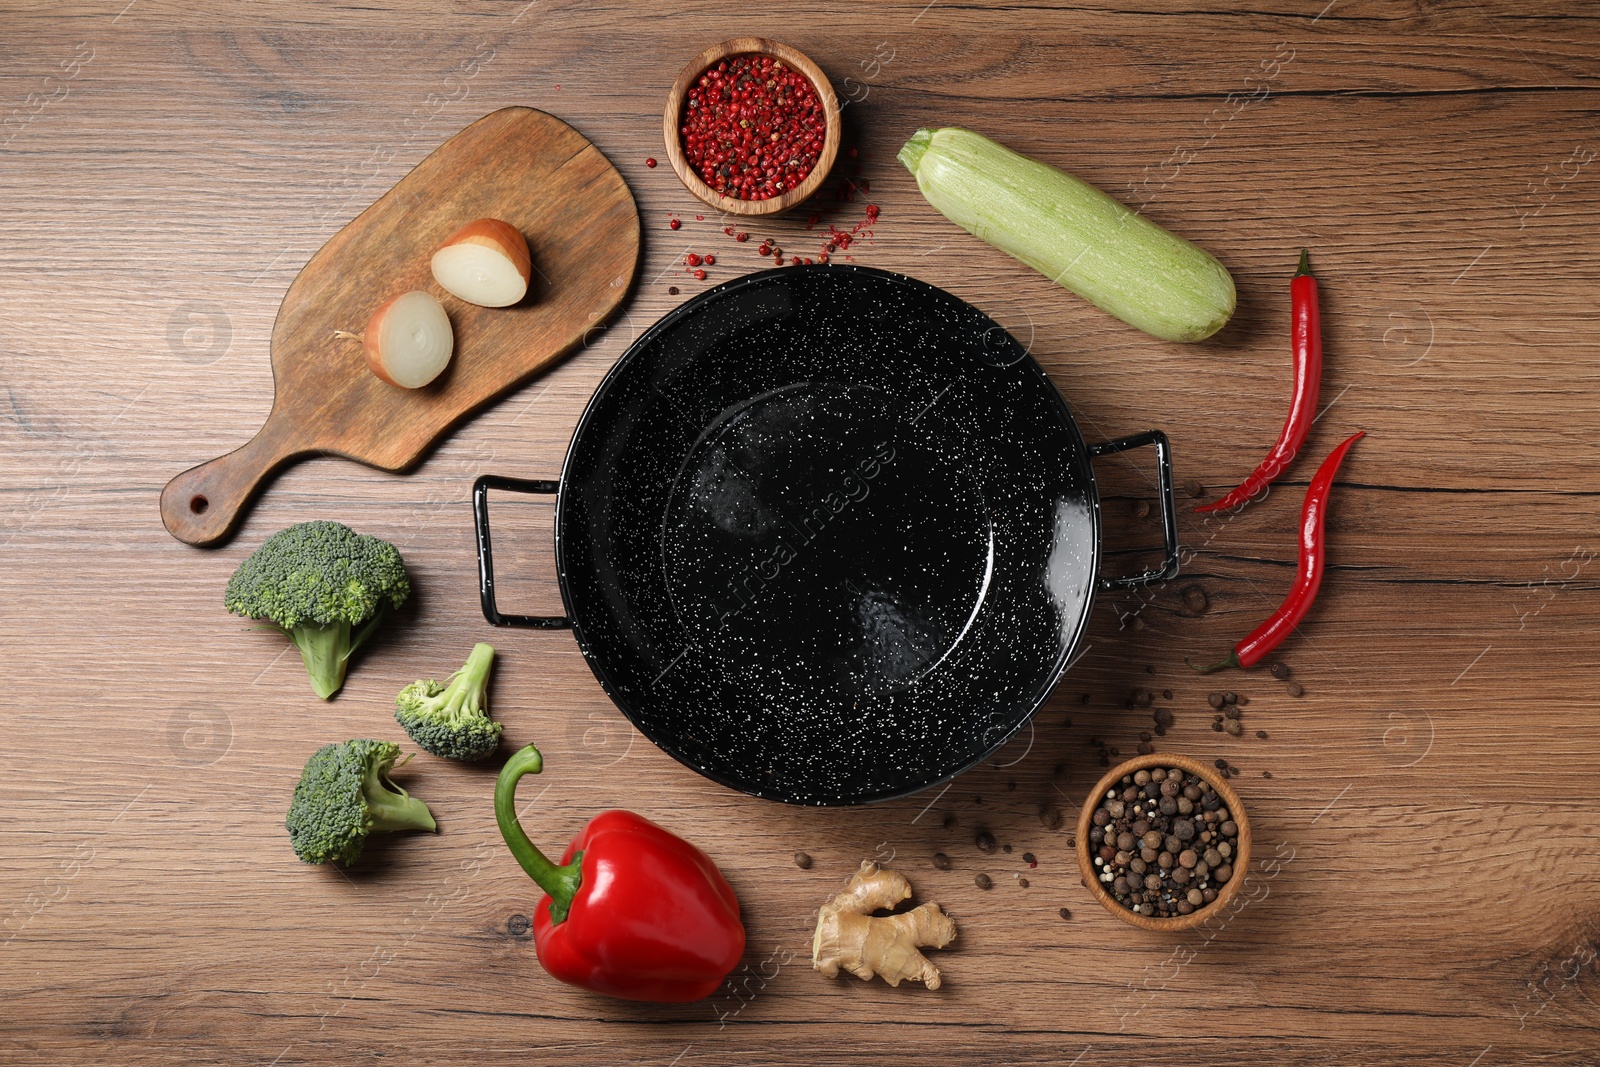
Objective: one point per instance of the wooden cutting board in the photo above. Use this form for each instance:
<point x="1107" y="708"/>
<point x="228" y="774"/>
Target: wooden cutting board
<point x="517" y="164"/>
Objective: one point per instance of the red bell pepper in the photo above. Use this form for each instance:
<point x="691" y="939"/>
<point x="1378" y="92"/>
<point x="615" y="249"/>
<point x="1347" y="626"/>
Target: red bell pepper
<point x="632" y="911"/>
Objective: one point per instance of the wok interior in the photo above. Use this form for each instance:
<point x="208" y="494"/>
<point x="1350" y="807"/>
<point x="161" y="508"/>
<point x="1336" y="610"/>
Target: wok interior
<point x="828" y="535"/>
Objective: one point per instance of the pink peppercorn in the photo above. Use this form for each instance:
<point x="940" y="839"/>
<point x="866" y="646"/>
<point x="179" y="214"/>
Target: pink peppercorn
<point x="753" y="127"/>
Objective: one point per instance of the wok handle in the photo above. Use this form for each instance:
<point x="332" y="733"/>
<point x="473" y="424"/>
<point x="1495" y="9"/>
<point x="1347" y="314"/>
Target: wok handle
<point x="1169" y="506"/>
<point x="480" y="514"/>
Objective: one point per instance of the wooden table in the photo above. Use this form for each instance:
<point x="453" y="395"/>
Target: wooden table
<point x="1431" y="800"/>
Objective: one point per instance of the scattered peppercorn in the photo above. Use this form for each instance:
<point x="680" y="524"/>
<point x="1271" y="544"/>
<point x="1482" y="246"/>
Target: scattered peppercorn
<point x="650" y="163"/>
<point x="1215" y="700"/>
<point x="1166" y="694"/>
<point x="1266" y="774"/>
<point x="742" y="237"/>
<point x="699" y="275"/>
<point x="1233" y="728"/>
<point x="1280" y="670"/>
<point x="1023" y="882"/>
<point x="1193" y="487"/>
<point x="1296" y="689"/>
<point x="1029" y="857"/>
<point x="985" y="841"/>
<point x="672" y="290"/>
<point x="673" y="224"/>
<point x="983" y="881"/>
<point x="1195" y="599"/>
<point x="1066" y="913"/>
<point x="1005" y="848"/>
<point x="941" y="861"/>
<point x="710" y="260"/>
<point x="1262" y="734"/>
<point x="1163" y="716"/>
<point x="802" y="860"/>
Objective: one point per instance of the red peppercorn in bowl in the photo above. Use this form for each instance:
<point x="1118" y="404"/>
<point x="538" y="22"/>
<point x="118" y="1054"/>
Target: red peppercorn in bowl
<point x="752" y="126"/>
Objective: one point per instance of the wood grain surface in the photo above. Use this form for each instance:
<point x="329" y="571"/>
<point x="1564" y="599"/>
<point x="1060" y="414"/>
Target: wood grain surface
<point x="1424" y="884"/>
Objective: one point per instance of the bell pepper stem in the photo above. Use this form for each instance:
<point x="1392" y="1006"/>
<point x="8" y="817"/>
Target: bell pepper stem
<point x="1231" y="661"/>
<point x="561" y="883"/>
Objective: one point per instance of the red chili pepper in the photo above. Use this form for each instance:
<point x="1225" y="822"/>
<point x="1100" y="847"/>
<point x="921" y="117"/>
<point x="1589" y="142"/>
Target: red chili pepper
<point x="1266" y="637"/>
<point x="1306" y="341"/>
<point x="633" y="911"/>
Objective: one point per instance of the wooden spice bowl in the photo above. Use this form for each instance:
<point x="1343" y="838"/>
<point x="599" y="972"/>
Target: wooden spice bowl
<point x="1241" y="857"/>
<point x="673" y="117"/>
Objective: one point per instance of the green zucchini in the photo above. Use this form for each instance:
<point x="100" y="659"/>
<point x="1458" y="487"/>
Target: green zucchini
<point x="1073" y="234"/>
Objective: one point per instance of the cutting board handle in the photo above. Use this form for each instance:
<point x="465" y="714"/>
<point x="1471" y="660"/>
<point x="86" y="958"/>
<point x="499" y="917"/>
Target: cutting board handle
<point x="201" y="505"/>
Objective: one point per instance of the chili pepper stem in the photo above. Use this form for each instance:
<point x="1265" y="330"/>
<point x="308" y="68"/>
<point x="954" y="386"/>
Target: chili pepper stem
<point x="1305" y="263"/>
<point x="560" y="882"/>
<point x="1231" y="661"/>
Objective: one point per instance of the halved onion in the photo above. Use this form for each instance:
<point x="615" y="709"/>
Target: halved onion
<point x="486" y="263"/>
<point x="409" y="340"/>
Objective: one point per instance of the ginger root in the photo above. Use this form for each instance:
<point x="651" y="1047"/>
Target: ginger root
<point x="851" y="938"/>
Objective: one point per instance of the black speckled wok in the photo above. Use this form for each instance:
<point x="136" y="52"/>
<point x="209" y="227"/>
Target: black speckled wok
<point x="827" y="534"/>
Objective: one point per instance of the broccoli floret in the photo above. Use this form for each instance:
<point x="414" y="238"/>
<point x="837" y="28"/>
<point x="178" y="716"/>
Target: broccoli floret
<point x="345" y="794"/>
<point x="324" y="585"/>
<point x="450" y="720"/>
